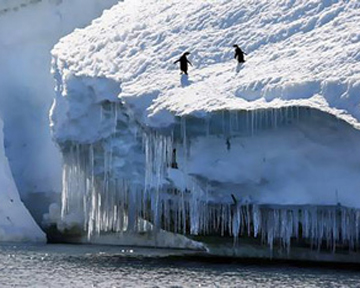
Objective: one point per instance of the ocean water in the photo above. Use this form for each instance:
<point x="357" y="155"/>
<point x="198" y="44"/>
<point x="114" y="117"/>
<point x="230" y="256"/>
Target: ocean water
<point x="108" y="266"/>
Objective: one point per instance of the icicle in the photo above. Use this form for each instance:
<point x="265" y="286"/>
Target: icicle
<point x="237" y="121"/>
<point x="261" y="119"/>
<point x="230" y="129"/>
<point x="223" y="122"/>
<point x="252" y="122"/>
<point x="236" y="222"/>
<point x="275" y="118"/>
<point x="207" y="126"/>
<point x="256" y="219"/>
<point x="297" y="113"/>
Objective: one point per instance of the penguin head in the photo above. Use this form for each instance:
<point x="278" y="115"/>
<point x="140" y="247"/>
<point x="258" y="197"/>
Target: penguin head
<point x="186" y="53"/>
<point x="236" y="46"/>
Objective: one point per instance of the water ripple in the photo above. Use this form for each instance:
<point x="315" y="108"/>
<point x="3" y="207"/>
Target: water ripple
<point x="60" y="266"/>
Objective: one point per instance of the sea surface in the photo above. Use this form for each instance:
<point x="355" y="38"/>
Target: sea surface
<point x="108" y="266"/>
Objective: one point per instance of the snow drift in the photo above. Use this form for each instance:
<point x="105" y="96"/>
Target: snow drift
<point x="268" y="149"/>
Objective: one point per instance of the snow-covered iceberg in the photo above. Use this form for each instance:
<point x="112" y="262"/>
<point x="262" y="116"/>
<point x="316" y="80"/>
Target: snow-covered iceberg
<point x="268" y="149"/>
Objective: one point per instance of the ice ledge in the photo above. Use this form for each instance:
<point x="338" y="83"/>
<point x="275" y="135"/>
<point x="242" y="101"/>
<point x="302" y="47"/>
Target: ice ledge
<point x="77" y="95"/>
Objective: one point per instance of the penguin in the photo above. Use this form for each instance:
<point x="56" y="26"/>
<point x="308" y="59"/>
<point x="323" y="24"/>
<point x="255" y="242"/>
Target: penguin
<point x="184" y="63"/>
<point x="174" y="165"/>
<point x="228" y="144"/>
<point x="239" y="54"/>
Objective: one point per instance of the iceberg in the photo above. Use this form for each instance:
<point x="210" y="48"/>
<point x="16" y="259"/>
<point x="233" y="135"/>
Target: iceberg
<point x="267" y="151"/>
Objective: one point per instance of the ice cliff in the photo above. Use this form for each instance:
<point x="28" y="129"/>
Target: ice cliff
<point x="268" y="149"/>
<point x="16" y="223"/>
<point x="28" y="31"/>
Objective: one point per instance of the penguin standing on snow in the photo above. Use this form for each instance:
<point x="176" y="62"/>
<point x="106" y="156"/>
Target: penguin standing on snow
<point x="184" y="63"/>
<point x="239" y="54"/>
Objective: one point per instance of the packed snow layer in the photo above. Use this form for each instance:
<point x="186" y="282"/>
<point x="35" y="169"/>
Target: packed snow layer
<point x="299" y="53"/>
<point x="28" y="31"/>
<point x="16" y="223"/>
<point x="268" y="149"/>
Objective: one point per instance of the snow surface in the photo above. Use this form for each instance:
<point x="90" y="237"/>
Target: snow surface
<point x="300" y="53"/>
<point x="280" y="130"/>
<point x="16" y="223"/>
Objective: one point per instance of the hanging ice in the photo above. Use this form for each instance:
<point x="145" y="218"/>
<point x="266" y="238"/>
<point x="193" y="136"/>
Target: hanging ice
<point x="128" y="176"/>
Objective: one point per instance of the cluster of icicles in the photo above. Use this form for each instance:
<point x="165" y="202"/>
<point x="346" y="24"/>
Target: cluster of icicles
<point x="110" y="202"/>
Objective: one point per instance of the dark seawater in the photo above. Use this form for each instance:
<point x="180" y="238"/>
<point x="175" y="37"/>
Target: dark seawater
<point x="108" y="266"/>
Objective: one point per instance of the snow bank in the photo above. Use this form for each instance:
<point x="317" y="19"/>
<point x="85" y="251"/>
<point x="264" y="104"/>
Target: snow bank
<point x="266" y="149"/>
<point x="16" y="223"/>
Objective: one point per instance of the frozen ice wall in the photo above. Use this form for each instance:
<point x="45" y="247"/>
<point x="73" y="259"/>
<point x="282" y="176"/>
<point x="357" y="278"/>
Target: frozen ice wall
<point x="268" y="149"/>
<point x="28" y="31"/>
<point x="16" y="223"/>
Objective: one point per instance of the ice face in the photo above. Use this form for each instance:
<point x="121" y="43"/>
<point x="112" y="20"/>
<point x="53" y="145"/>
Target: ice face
<point x="27" y="90"/>
<point x="16" y="223"/>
